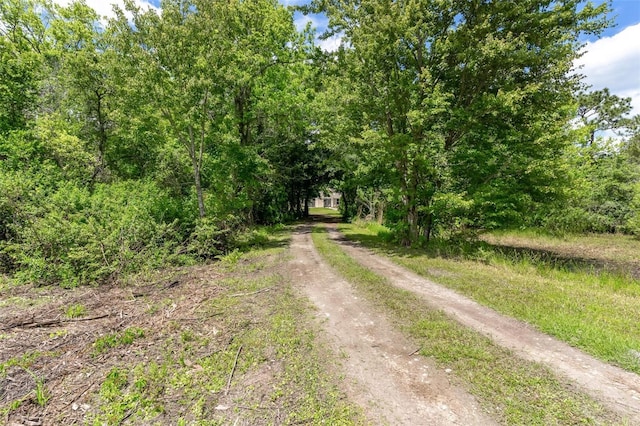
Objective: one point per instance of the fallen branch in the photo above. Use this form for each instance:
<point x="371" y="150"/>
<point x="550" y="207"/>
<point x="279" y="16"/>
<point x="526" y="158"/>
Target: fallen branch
<point x="233" y="370"/>
<point x="252" y="293"/>
<point x="48" y="323"/>
<point x="171" y="285"/>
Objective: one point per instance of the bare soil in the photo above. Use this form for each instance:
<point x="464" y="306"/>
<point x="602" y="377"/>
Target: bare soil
<point x="617" y="389"/>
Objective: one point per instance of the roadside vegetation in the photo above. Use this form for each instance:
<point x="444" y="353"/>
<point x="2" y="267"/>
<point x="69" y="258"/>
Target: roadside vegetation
<point x="512" y="390"/>
<point x="210" y="345"/>
<point x="592" y="309"/>
<point x="614" y="253"/>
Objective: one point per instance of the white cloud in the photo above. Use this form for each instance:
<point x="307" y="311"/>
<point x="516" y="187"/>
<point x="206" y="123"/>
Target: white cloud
<point x="105" y="8"/>
<point x="319" y="24"/>
<point x="302" y="21"/>
<point x="330" y="44"/>
<point x="614" y="62"/>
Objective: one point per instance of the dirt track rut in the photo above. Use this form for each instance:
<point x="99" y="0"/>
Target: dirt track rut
<point x="616" y="388"/>
<point x="392" y="385"/>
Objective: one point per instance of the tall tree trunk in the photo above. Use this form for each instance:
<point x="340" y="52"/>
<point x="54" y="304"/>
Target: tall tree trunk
<point x="380" y="215"/>
<point x="429" y="227"/>
<point x="200" y="195"/>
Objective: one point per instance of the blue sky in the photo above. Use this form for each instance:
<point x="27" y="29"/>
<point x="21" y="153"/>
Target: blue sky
<point x="611" y="61"/>
<point x="626" y="12"/>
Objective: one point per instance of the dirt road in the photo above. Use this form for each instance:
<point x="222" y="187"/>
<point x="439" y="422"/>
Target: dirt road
<point x="397" y="388"/>
<point x="392" y="385"/>
<point x="616" y="388"/>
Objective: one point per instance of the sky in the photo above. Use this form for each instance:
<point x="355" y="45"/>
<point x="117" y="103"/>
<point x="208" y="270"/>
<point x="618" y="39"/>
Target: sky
<point x="612" y="61"/>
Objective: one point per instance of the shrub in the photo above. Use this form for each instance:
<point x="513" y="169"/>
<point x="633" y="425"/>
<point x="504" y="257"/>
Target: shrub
<point x="213" y="237"/>
<point x="80" y="237"/>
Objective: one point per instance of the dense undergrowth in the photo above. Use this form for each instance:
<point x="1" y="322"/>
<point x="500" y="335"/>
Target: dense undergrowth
<point x="73" y="235"/>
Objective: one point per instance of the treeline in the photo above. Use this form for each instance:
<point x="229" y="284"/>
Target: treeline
<point x="148" y="138"/>
<point x="152" y="138"/>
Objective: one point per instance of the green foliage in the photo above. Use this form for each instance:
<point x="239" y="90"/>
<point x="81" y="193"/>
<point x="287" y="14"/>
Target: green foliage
<point x="21" y="62"/>
<point x="633" y="225"/>
<point x="113" y="340"/>
<point x="75" y="311"/>
<point x="212" y="238"/>
<point x="464" y="99"/>
<point x="42" y="395"/>
<point x="123" y="144"/>
<point x="79" y="237"/>
<point x="605" y="185"/>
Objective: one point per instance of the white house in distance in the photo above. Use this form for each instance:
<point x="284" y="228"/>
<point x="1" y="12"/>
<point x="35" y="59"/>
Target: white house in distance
<point x="328" y="199"/>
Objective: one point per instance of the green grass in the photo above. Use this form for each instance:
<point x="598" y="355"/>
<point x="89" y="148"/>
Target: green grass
<point x="25" y="361"/>
<point x="113" y="340"/>
<point x="511" y="389"/>
<point x="595" y="312"/>
<point x="75" y="311"/>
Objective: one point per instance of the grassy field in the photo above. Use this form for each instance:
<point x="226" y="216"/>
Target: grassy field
<point x="597" y="312"/>
<point x="512" y="390"/>
<point x="621" y="253"/>
<point x="226" y="343"/>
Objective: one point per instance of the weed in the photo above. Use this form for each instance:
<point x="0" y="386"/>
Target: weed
<point x="187" y="336"/>
<point x="75" y="311"/>
<point x="58" y="333"/>
<point x="231" y="258"/>
<point x="24" y="361"/>
<point x="42" y="395"/>
<point x="113" y="340"/>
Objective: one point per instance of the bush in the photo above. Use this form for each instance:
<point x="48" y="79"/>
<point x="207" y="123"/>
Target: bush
<point x="633" y="225"/>
<point x="79" y="237"/>
<point x="213" y="237"/>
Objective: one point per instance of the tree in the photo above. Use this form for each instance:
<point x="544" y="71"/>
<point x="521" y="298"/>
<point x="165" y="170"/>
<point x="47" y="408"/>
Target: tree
<point x="464" y="97"/>
<point x="22" y="39"/>
<point x="600" y="110"/>
<point x="201" y="61"/>
<point x="81" y="86"/>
